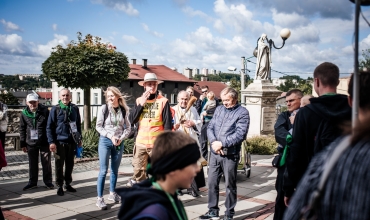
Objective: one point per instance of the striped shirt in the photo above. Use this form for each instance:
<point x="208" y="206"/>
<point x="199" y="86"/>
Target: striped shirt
<point x="347" y="191"/>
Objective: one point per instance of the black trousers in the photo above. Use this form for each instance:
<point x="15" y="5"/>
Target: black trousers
<point x="203" y="140"/>
<point x="279" y="203"/>
<point x="33" y="162"/>
<point x="2" y="138"/>
<point x="228" y="166"/>
<point x="66" y="152"/>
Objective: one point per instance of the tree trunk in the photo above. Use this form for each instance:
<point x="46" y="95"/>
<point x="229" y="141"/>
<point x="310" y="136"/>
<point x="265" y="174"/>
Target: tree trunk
<point x="87" y="112"/>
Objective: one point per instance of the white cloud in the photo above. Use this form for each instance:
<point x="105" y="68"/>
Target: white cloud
<point x="147" y="29"/>
<point x="9" y="26"/>
<point x="55" y="27"/>
<point x="197" y="13"/>
<point x="120" y="5"/>
<point x="12" y="44"/>
<point x="219" y="26"/>
<point x="292" y="20"/>
<point x="130" y="39"/>
<point x="45" y="50"/>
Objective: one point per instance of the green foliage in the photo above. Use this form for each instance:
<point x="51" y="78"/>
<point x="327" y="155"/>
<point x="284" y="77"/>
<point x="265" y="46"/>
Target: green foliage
<point x="129" y="146"/>
<point x="365" y="61"/>
<point x="9" y="99"/>
<point x="262" y="145"/>
<point x="87" y="63"/>
<point x="28" y="83"/>
<point x="296" y="82"/>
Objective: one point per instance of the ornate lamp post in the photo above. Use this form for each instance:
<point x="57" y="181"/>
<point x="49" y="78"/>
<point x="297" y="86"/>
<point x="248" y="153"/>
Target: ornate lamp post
<point x="284" y="34"/>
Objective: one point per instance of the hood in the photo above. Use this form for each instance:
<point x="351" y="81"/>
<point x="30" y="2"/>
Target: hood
<point x="138" y="197"/>
<point x="331" y="107"/>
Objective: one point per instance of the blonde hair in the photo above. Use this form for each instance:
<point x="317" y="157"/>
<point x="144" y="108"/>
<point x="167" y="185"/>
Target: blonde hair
<point x="211" y="94"/>
<point x="119" y="95"/>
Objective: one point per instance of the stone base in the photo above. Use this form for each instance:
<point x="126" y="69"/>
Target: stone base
<point x="260" y="99"/>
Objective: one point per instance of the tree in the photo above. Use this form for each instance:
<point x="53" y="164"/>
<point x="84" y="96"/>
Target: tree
<point x="87" y="63"/>
<point x="9" y="99"/>
<point x="365" y="62"/>
<point x="292" y="82"/>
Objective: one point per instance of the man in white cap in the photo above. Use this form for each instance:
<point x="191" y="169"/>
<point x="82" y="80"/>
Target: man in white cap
<point x="152" y="112"/>
<point x="34" y="141"/>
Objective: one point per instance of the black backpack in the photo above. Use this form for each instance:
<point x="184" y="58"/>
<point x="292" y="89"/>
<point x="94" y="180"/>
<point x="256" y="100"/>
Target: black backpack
<point x="106" y="113"/>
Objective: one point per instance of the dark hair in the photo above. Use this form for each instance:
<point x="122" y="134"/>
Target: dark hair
<point x="204" y="87"/>
<point x="362" y="130"/>
<point x="298" y="92"/>
<point x="328" y="74"/>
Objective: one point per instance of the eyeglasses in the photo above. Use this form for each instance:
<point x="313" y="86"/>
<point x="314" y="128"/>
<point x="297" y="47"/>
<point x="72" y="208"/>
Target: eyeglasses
<point x="204" y="91"/>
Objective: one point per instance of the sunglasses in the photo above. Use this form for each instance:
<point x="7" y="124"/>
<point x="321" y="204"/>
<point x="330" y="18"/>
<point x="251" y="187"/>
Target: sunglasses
<point x="204" y="91"/>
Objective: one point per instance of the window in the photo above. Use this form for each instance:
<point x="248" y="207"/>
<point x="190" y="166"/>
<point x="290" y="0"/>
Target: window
<point x="173" y="98"/>
<point x="78" y="101"/>
<point x="95" y="98"/>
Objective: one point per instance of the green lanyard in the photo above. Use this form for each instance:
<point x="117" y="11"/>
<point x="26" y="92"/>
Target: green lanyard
<point x="115" y="116"/>
<point x="156" y="185"/>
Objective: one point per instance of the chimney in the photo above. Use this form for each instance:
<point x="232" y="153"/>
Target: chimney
<point x="204" y="78"/>
<point x="133" y="61"/>
<point x="145" y="61"/>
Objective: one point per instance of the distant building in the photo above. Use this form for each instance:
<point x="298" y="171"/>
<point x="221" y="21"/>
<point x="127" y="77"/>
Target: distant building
<point x="205" y="71"/>
<point x="21" y="76"/>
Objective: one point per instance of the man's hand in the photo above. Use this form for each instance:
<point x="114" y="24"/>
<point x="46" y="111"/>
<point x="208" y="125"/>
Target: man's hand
<point x="53" y="147"/>
<point x="24" y="149"/>
<point x="189" y="123"/>
<point x="217" y="146"/>
<point x="144" y="97"/>
<point x="176" y="126"/>
<point x="201" y="97"/>
<point x="286" y="201"/>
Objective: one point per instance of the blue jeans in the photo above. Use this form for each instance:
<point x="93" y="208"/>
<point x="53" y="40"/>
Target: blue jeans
<point x="106" y="149"/>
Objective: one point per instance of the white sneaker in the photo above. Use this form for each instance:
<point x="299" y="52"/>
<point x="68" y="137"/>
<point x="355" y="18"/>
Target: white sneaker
<point x="114" y="197"/>
<point x="101" y="204"/>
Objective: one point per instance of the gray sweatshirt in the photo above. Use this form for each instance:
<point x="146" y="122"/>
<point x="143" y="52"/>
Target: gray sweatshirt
<point x="114" y="125"/>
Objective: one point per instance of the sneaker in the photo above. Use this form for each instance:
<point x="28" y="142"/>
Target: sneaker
<point x="131" y="182"/>
<point x="29" y="186"/>
<point x="228" y="217"/>
<point x="49" y="185"/>
<point x="101" y="204"/>
<point x="69" y="188"/>
<point x="114" y="197"/>
<point x="210" y="215"/>
<point x="60" y="191"/>
<point x="192" y="192"/>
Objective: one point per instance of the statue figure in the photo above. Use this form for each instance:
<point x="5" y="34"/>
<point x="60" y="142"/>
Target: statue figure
<point x="263" y="59"/>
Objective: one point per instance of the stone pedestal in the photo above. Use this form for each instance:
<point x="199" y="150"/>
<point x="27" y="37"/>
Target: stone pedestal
<point x="260" y="100"/>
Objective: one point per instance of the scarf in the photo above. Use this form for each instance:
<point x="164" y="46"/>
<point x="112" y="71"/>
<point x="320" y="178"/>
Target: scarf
<point x="289" y="139"/>
<point x="31" y="115"/>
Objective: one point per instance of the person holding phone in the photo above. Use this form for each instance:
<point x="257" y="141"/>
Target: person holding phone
<point x="113" y="126"/>
<point x="152" y="113"/>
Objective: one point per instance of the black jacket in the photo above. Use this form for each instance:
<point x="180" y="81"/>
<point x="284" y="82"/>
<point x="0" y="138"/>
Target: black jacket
<point x="26" y="124"/>
<point x="282" y="127"/>
<point x="331" y="107"/>
<point x="140" y="196"/>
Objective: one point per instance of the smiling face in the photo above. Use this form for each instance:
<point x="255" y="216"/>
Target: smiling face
<point x="32" y="105"/>
<point x="151" y="86"/>
<point x="190" y="92"/>
<point x="112" y="99"/>
<point x="65" y="96"/>
<point x="183" y="99"/>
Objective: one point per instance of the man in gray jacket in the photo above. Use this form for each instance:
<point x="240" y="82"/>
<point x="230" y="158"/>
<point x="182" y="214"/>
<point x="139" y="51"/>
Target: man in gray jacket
<point x="226" y="132"/>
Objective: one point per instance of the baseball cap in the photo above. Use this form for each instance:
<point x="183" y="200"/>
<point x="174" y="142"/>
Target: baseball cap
<point x="32" y="97"/>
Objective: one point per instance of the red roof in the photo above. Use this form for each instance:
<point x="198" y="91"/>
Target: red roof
<point x="215" y="87"/>
<point x="45" y="95"/>
<point x="163" y="73"/>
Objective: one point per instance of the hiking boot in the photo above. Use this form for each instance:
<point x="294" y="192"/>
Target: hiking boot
<point x="29" y="186"/>
<point x="60" y="191"/>
<point x="49" y="185"/>
<point x="114" y="197"/>
<point x="69" y="188"/>
<point x="210" y="215"/>
<point x="101" y="204"/>
<point x="131" y="182"/>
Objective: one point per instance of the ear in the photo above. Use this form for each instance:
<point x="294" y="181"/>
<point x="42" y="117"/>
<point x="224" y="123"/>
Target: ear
<point x="350" y="101"/>
<point x="338" y="82"/>
<point x="317" y="82"/>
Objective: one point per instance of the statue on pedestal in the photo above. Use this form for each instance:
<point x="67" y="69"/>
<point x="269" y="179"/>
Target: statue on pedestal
<point x="263" y="59"/>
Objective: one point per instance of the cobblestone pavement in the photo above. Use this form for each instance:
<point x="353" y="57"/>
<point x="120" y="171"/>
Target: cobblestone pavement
<point x="18" y="165"/>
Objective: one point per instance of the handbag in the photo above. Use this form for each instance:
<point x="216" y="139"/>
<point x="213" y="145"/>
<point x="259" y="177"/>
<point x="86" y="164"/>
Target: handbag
<point x="276" y="161"/>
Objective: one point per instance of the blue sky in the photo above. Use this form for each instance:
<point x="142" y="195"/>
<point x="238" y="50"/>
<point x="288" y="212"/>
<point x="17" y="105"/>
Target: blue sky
<point x="184" y="33"/>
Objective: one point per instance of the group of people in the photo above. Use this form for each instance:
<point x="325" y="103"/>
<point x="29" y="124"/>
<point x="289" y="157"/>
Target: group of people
<point x="314" y="181"/>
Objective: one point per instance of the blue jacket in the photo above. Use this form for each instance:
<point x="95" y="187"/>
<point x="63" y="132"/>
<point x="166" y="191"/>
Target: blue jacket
<point x="229" y="125"/>
<point x="58" y="129"/>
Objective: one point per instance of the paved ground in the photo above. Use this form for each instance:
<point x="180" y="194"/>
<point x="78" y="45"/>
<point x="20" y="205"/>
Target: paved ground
<point x="256" y="195"/>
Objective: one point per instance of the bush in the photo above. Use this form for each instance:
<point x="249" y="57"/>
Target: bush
<point x="129" y="146"/>
<point x="263" y="145"/>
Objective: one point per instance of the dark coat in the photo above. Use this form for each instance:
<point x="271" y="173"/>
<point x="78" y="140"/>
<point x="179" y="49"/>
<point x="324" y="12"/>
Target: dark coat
<point x="282" y="127"/>
<point x="331" y="107"/>
<point x="26" y="124"/>
<point x="58" y="129"/>
<point x="229" y="125"/>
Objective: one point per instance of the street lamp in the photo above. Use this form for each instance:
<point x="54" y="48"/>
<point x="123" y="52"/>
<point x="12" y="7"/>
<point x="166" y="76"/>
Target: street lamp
<point x="284" y="34"/>
<point x="231" y="68"/>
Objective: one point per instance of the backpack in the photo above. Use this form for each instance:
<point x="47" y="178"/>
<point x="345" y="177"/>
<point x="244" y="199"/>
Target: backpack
<point x="106" y="113"/>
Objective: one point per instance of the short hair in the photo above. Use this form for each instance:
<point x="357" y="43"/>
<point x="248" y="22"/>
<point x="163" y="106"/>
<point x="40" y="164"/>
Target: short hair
<point x="328" y="74"/>
<point x="118" y="94"/>
<point x="190" y="87"/>
<point x="232" y="92"/>
<point x="167" y="143"/>
<point x="182" y="91"/>
<point x="69" y="91"/>
<point x="204" y="87"/>
<point x="364" y="94"/>
<point x="297" y="92"/>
